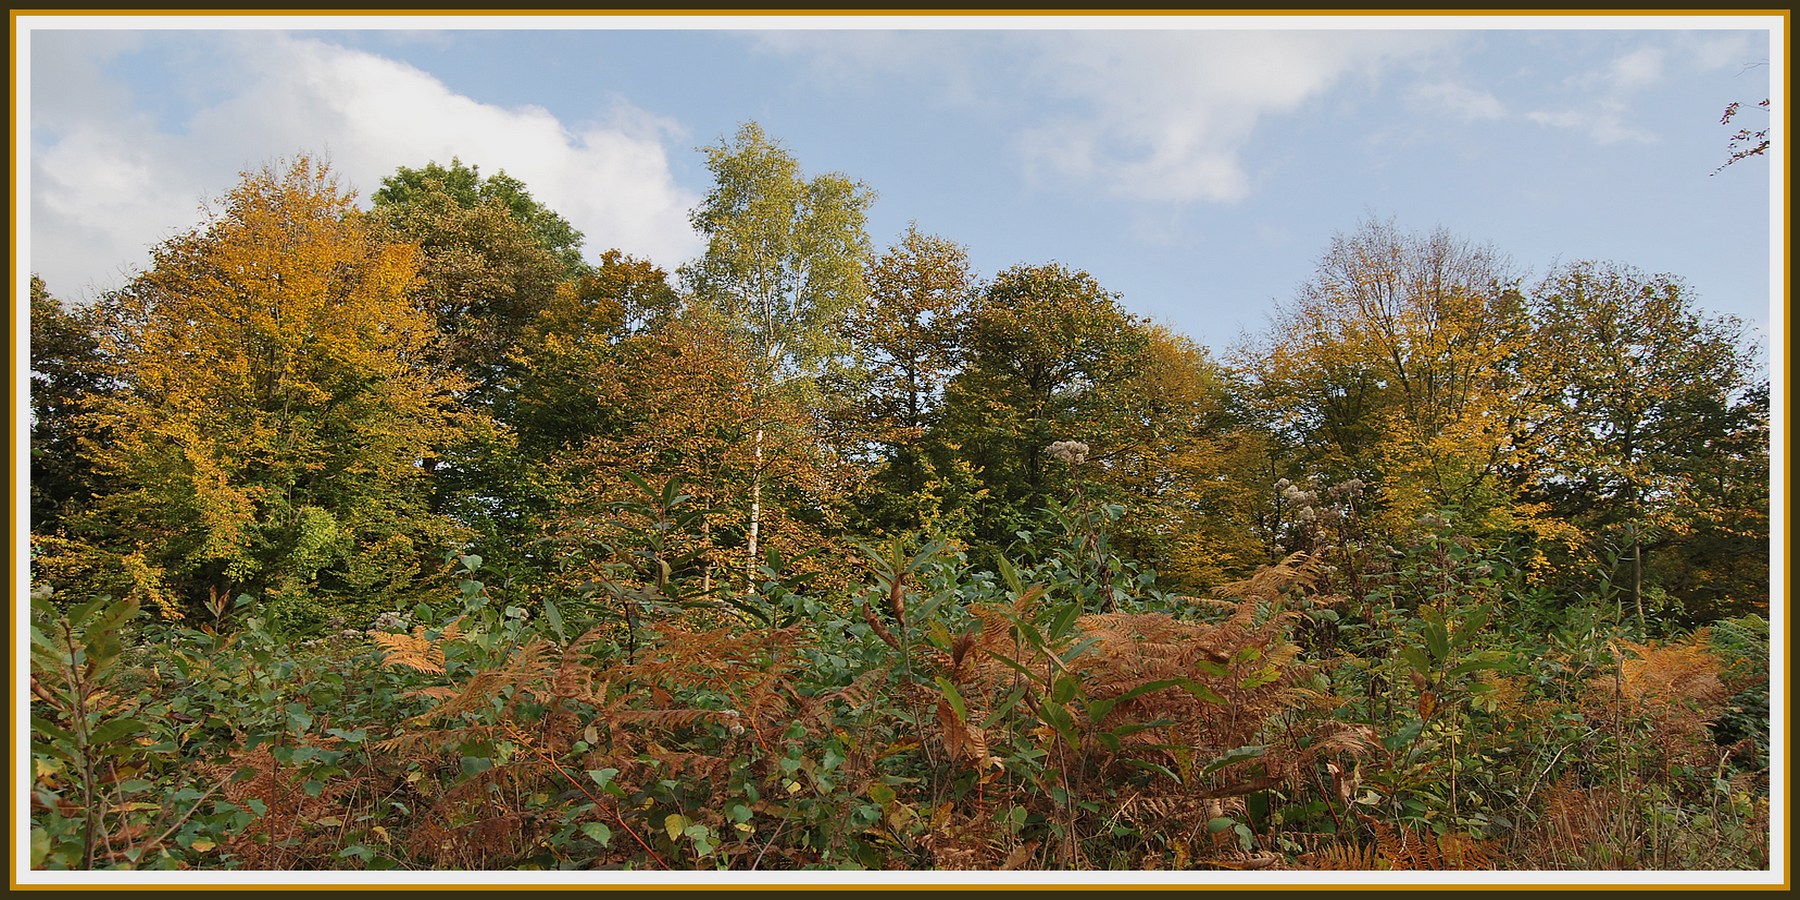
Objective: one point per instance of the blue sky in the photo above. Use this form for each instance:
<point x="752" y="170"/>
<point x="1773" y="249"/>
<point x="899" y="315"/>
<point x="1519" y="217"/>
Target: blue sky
<point x="1197" y="165"/>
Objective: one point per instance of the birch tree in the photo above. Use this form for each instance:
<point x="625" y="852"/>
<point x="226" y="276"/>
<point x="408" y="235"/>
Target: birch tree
<point x="783" y="271"/>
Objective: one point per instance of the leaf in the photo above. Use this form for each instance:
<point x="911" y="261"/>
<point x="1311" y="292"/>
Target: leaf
<point x="1098" y="709"/>
<point x="1417" y="659"/>
<point x="953" y="697"/>
<point x="1233" y="756"/>
<point x="113" y="730"/>
<point x="553" y="617"/>
<point x="1201" y="691"/>
<point x="598" y="832"/>
<point x="674" y="824"/>
<point x="1437" y="640"/>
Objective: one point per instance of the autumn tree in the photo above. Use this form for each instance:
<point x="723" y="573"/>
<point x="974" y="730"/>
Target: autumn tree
<point x="1395" y="366"/>
<point x="1175" y="458"/>
<point x="565" y="360"/>
<point x="782" y="273"/>
<point x="486" y="272"/>
<point x="1048" y="356"/>
<point x="68" y="379"/>
<point x="277" y="402"/>
<point x="685" y="412"/>
<point x="1646" y="392"/>
<point x="907" y="343"/>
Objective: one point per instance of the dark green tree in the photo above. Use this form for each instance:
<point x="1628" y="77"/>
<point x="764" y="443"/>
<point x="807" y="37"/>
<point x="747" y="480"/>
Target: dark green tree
<point x="68" y="377"/>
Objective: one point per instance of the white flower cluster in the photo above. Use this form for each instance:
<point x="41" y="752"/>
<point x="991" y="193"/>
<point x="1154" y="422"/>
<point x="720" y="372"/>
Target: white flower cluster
<point x="1072" y="452"/>
<point x="391" y="622"/>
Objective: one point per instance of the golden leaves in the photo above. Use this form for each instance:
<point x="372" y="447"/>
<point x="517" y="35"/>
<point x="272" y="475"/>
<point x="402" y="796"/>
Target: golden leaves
<point x="416" y="651"/>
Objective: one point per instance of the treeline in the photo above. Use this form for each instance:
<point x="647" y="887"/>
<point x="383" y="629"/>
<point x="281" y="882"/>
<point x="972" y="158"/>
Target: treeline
<point x="818" y="487"/>
<point x="309" y="403"/>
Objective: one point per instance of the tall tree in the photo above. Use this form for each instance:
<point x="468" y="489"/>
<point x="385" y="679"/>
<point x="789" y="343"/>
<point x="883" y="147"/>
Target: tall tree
<point x="1647" y="391"/>
<point x="782" y="272"/>
<point x="907" y="340"/>
<point x="682" y="397"/>
<point x="1396" y="366"/>
<point x="68" y="378"/>
<point x="1048" y="356"/>
<point x="486" y="273"/>
<point x="468" y="189"/>
<point x="562" y="360"/>
<point x="278" y="401"/>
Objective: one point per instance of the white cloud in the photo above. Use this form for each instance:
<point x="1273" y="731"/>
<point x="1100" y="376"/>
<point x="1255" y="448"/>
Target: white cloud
<point x="1460" y="101"/>
<point x="107" y="183"/>
<point x="1604" y="122"/>
<point x="1160" y="115"/>
<point x="1166" y="115"/>
<point x="1601" y="101"/>
<point x="1639" y="68"/>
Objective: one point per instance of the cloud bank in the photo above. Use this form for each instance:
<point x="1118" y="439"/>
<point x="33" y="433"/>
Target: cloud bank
<point x="108" y="180"/>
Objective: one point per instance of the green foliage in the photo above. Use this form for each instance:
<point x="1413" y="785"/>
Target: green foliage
<point x="785" y="255"/>
<point x="464" y="185"/>
<point x="68" y="378"/>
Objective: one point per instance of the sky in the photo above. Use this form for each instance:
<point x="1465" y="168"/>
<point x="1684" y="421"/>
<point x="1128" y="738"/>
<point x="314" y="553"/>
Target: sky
<point x="1199" y="166"/>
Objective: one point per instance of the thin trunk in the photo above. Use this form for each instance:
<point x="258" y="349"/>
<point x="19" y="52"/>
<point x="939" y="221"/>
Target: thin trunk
<point x="756" y="476"/>
<point x="707" y="567"/>
<point x="1637" y="575"/>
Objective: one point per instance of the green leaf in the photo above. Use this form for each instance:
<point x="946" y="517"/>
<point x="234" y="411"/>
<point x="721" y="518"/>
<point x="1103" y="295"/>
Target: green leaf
<point x="598" y="832"/>
<point x="1098" y="709"/>
<point x="1057" y="717"/>
<point x="1011" y="576"/>
<point x="1201" y="691"/>
<point x="1158" y="768"/>
<point x="1208" y="667"/>
<point x="1437" y="640"/>
<point x="113" y="730"/>
<point x="1229" y="757"/>
<point x="602" y="777"/>
<point x="553" y="616"/>
<point x="1082" y="646"/>
<point x="674" y="824"/>
<point x="1219" y="824"/>
<point x="298" y="719"/>
<point x="1417" y="659"/>
<point x="954" y="697"/>
<point x="1477" y="620"/>
<point x="1488" y="660"/>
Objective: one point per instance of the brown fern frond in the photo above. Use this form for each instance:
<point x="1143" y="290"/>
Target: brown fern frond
<point x="860" y="691"/>
<point x="414" y="651"/>
<point x="1270" y="582"/>
<point x="436" y="692"/>
<point x="1342" y="857"/>
<point x="666" y="719"/>
<point x="436" y="739"/>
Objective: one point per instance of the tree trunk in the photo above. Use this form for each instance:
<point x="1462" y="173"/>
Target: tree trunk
<point x="756" y="476"/>
<point x="1637" y="575"/>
